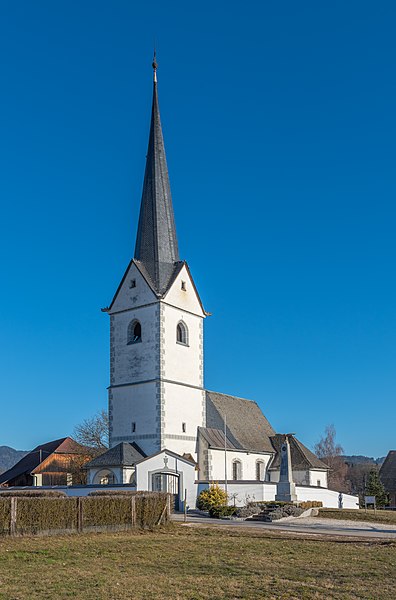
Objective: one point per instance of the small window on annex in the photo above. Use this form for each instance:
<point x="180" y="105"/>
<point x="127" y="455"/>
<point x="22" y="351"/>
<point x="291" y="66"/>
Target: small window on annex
<point x="134" y="332"/>
<point x="260" y="470"/>
<point x="182" y="333"/>
<point x="237" y="470"/>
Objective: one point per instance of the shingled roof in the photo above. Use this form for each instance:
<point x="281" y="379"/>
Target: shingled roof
<point x="38" y="455"/>
<point x="301" y="457"/>
<point x="388" y="472"/>
<point x="156" y="241"/>
<point x="122" y="455"/>
<point x="247" y="427"/>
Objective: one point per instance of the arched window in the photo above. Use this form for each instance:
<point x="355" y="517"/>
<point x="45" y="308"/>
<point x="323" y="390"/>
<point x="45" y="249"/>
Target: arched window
<point x="105" y="477"/>
<point x="236" y="470"/>
<point x="182" y="333"/>
<point x="134" y="332"/>
<point x="260" y="470"/>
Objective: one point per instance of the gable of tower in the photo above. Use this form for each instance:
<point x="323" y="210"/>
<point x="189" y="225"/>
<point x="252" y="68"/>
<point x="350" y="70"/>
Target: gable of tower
<point x="134" y="290"/>
<point x="183" y="294"/>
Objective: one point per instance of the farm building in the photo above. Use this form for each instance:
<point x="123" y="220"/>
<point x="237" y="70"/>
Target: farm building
<point x="49" y="464"/>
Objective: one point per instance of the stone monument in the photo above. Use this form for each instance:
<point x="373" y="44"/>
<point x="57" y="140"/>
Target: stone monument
<point x="285" y="488"/>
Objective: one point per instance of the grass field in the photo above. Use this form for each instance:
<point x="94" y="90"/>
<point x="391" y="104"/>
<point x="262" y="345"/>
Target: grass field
<point x="380" y="516"/>
<point x="194" y="563"/>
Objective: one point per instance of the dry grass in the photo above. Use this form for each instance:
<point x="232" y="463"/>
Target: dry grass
<point x="379" y="516"/>
<point x="199" y="563"/>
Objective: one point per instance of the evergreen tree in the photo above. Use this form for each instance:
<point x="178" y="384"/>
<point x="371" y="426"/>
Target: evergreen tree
<point x="375" y="488"/>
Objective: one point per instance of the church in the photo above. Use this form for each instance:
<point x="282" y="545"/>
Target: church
<point x="167" y="432"/>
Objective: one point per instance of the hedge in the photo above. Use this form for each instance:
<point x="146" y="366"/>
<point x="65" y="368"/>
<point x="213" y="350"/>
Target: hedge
<point x="35" y="515"/>
<point x="23" y="514"/>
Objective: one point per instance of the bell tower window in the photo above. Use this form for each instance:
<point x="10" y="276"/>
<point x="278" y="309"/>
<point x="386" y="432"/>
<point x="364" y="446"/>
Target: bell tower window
<point x="134" y="332"/>
<point x="182" y="333"/>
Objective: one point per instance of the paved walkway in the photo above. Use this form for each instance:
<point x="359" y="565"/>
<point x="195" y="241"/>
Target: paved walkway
<point x="304" y="526"/>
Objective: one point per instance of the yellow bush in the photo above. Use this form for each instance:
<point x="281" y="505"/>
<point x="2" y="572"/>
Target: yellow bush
<point x="213" y="497"/>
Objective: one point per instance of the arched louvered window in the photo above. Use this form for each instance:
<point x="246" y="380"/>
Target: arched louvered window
<point x="182" y="333"/>
<point x="236" y="470"/>
<point x="134" y="332"/>
<point x="260" y="470"/>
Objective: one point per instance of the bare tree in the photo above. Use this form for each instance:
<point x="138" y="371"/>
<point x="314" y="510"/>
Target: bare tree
<point x="94" y="433"/>
<point x="331" y="454"/>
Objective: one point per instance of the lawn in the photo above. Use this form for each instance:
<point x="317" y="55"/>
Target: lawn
<point x="380" y="516"/>
<point x="190" y="562"/>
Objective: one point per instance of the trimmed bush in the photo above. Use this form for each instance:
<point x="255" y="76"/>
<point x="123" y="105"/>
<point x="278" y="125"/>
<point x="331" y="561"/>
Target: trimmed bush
<point x="106" y="511"/>
<point x="216" y="512"/>
<point x="248" y="511"/>
<point x="310" y="504"/>
<point x="150" y="508"/>
<point x="5" y="515"/>
<point x="35" y="515"/>
<point x="286" y="511"/>
<point x="33" y="494"/>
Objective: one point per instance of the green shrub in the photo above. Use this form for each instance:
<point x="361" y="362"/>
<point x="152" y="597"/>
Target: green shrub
<point x="216" y="512"/>
<point x="213" y="497"/>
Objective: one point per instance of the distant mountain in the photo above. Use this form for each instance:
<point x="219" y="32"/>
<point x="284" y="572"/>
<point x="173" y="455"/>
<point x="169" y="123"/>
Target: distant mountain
<point x="356" y="459"/>
<point x="9" y="457"/>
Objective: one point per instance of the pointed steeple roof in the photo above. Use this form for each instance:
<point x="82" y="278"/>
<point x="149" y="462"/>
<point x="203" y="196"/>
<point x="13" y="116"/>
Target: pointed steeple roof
<point x="156" y="241"/>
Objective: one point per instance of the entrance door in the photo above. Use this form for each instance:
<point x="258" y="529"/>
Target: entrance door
<point x="167" y="482"/>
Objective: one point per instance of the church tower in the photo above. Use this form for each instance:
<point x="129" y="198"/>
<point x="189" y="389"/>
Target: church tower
<point x="156" y="395"/>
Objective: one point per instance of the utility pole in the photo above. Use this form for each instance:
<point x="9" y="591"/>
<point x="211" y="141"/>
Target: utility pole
<point x="225" y="454"/>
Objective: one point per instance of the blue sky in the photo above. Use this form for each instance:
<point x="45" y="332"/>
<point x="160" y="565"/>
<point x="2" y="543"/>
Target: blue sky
<point x="280" y="129"/>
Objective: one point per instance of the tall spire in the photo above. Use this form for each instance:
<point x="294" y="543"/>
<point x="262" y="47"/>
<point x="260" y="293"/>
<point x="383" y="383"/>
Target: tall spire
<point x="156" y="241"/>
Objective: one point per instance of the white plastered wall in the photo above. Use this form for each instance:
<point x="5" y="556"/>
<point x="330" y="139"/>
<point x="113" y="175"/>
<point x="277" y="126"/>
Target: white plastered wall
<point x="132" y="297"/>
<point x="137" y="404"/>
<point x="139" y="361"/>
<point x="182" y="404"/>
<point x="216" y="461"/>
<point x="305" y="477"/>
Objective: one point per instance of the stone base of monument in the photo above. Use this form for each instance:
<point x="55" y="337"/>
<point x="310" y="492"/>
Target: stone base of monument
<point x="285" y="492"/>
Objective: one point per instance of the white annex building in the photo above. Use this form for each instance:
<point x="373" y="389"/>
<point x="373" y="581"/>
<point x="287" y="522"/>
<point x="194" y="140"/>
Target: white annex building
<point x="167" y="432"/>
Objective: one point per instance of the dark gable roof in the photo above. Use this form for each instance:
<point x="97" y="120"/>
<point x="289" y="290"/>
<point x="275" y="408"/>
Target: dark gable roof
<point x="156" y="241"/>
<point x="124" y="454"/>
<point x="247" y="427"/>
<point x="388" y="472"/>
<point x="301" y="457"/>
<point x="215" y="439"/>
<point x="31" y="461"/>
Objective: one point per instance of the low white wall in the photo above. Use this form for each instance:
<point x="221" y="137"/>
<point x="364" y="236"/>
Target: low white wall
<point x="73" y="490"/>
<point x="254" y="491"/>
<point x="329" y="498"/>
<point x="243" y="492"/>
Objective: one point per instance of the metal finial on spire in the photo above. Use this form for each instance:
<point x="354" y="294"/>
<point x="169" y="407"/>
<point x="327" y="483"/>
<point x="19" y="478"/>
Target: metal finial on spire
<point x="155" y="65"/>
